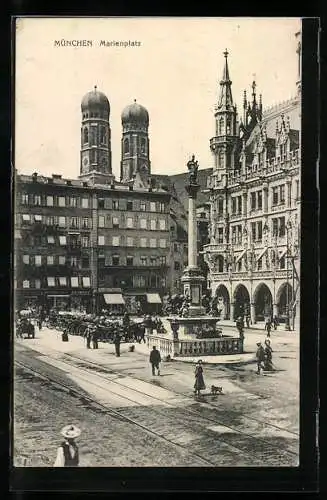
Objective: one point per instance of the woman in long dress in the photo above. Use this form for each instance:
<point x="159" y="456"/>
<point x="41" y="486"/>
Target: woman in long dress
<point x="199" y="381"/>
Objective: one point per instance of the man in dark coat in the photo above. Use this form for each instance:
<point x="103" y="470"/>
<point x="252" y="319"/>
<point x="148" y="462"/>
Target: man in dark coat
<point x="155" y="359"/>
<point x="268" y="326"/>
<point x="95" y="337"/>
<point x="117" y="344"/>
<point x="88" y="336"/>
<point x="260" y="356"/>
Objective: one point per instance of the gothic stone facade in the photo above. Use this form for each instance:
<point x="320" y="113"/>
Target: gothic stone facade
<point x="254" y="191"/>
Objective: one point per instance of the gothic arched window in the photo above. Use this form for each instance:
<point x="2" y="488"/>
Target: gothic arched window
<point x="228" y="124"/>
<point x="126" y="145"/>
<point x="143" y="144"/>
<point x="220" y="261"/>
<point x="221" y="158"/>
<point x="221" y="126"/>
<point x="93" y="136"/>
<point x="86" y="135"/>
<point x="103" y="135"/>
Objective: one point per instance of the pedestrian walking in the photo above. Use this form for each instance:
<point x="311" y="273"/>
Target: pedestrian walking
<point x="95" y="338"/>
<point x="248" y="320"/>
<point x="268" y="366"/>
<point x="199" y="384"/>
<point x="67" y="453"/>
<point x="88" y="336"/>
<point x="117" y="344"/>
<point x="141" y="333"/>
<point x="275" y="322"/>
<point x="260" y="356"/>
<point x="268" y="327"/>
<point x="240" y="326"/>
<point x="155" y="359"/>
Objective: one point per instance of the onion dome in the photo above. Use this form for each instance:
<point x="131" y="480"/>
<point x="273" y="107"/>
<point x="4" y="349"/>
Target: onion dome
<point x="95" y="99"/>
<point x="135" y="113"/>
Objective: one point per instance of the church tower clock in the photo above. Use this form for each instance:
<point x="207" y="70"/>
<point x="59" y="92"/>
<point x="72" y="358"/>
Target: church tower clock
<point x="135" y="153"/>
<point x="95" y="137"/>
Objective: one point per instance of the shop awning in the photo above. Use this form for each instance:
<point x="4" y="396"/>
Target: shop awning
<point x="113" y="298"/>
<point x="240" y="256"/>
<point x="153" y="298"/>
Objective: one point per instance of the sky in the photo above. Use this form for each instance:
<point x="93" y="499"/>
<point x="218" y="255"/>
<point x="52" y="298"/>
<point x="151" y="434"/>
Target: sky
<point x="174" y="72"/>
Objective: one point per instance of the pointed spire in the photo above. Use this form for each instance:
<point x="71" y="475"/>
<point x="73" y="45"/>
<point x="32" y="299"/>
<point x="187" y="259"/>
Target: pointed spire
<point x="254" y="85"/>
<point x="226" y="71"/>
<point x="244" y="100"/>
<point x="225" y="100"/>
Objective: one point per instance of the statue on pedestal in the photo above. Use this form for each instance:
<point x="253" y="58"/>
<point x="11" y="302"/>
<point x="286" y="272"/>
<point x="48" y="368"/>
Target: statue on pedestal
<point x="193" y="166"/>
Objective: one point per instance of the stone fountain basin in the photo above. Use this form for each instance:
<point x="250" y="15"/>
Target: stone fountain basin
<point x="190" y="327"/>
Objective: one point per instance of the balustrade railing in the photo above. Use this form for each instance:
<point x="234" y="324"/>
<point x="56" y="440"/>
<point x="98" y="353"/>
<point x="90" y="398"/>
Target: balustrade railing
<point x="190" y="348"/>
<point x="273" y="165"/>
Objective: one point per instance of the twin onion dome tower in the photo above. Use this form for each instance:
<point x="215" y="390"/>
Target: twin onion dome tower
<point x="96" y="159"/>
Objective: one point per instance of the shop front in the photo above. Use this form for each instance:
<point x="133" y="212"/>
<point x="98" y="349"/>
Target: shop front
<point x="154" y="303"/>
<point x="111" y="300"/>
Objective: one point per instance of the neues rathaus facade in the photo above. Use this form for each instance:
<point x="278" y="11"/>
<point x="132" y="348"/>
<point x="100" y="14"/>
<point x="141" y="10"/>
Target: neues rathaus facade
<point x="255" y="197"/>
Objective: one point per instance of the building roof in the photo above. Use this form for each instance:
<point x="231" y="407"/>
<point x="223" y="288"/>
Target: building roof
<point x="179" y="182"/>
<point x="135" y="113"/>
<point x="95" y="99"/>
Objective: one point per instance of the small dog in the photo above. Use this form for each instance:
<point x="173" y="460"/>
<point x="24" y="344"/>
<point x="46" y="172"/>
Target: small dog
<point x="216" y="390"/>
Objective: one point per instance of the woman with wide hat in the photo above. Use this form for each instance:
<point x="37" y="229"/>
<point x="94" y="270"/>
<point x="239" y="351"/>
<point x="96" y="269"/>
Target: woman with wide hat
<point x="67" y="454"/>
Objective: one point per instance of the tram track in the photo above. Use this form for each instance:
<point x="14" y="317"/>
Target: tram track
<point x="109" y="411"/>
<point x="236" y="440"/>
<point x="193" y="412"/>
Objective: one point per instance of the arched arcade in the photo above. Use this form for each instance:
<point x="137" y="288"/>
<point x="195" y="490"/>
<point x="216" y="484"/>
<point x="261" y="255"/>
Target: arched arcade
<point x="262" y="302"/>
<point x="241" y="302"/>
<point x="223" y="302"/>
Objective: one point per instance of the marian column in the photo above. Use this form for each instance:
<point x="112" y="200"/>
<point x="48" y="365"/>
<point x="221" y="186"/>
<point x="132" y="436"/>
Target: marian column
<point x="192" y="278"/>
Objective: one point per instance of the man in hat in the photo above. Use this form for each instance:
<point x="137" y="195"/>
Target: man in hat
<point x="117" y="344"/>
<point x="260" y="355"/>
<point x="268" y="366"/>
<point x="155" y="359"/>
<point x="88" y="336"/>
<point x="67" y="454"/>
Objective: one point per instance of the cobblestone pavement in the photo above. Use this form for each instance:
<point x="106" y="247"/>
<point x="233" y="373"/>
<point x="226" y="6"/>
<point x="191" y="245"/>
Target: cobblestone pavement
<point x="254" y="422"/>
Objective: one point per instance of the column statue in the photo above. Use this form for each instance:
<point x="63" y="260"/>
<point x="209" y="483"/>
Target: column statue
<point x="193" y="166"/>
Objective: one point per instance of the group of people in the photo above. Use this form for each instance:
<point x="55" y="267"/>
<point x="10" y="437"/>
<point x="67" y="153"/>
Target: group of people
<point x="264" y="357"/>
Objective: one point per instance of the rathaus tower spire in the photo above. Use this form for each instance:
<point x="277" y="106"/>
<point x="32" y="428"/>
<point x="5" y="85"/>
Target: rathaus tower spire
<point x="224" y="142"/>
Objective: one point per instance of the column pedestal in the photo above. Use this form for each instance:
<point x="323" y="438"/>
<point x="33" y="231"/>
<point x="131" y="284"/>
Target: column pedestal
<point x="193" y="281"/>
<point x="192" y="278"/>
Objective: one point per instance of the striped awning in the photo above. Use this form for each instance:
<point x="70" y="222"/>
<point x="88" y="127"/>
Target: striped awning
<point x="113" y="298"/>
<point x="240" y="256"/>
<point x="153" y="298"/>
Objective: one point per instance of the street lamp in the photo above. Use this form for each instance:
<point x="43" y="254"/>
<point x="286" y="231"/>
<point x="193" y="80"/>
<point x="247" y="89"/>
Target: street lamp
<point x="288" y="228"/>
